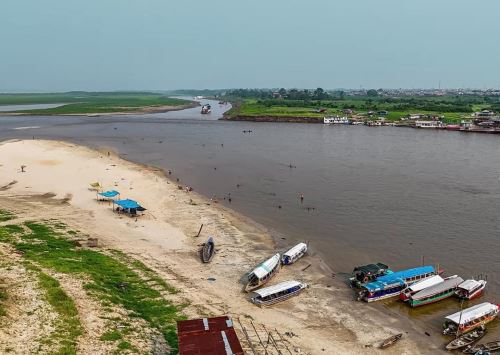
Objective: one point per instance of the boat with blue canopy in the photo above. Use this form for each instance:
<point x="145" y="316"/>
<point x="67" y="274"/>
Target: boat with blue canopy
<point x="391" y="285"/>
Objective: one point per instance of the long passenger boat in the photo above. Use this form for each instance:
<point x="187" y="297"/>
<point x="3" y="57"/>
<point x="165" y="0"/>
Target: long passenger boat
<point x="263" y="273"/>
<point x="391" y="285"/>
<point x="419" y="286"/>
<point x="294" y="254"/>
<point x="277" y="293"/>
<point x="437" y="292"/>
<point x="470" y="318"/>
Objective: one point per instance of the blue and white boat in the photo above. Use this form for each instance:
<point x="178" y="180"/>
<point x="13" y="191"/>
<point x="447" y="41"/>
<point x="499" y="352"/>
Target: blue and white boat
<point x="391" y="285"/>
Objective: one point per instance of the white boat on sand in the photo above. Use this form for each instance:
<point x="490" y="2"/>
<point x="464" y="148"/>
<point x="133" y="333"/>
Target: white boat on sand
<point x="263" y="273"/>
<point x="293" y="254"/>
<point x="278" y="293"/>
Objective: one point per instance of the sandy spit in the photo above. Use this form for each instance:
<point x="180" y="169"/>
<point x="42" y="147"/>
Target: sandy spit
<point x="324" y="319"/>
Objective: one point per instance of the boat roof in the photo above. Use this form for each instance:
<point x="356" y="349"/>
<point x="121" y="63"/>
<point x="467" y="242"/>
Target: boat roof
<point x="371" y="268"/>
<point x="403" y="274"/>
<point x="431" y="281"/>
<point x="295" y="250"/>
<point x="471" y="313"/>
<point x="380" y="285"/>
<point x="469" y="285"/>
<point x="282" y="286"/>
<point x="266" y="267"/>
<point x="452" y="282"/>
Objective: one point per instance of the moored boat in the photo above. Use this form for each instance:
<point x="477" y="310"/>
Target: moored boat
<point x="391" y="341"/>
<point x="206" y="109"/>
<point x="437" y="292"/>
<point x="470" y="318"/>
<point x="368" y="273"/>
<point x="470" y="289"/>
<point x="483" y="349"/>
<point x="277" y="293"/>
<point x="208" y="250"/>
<point x="335" y="120"/>
<point x="263" y="273"/>
<point x="466" y="339"/>
<point x="391" y="285"/>
<point x="293" y="254"/>
<point x="419" y="286"/>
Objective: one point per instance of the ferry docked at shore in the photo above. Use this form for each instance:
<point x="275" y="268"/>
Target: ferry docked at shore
<point x="419" y="286"/>
<point x="470" y="289"/>
<point x="368" y="273"/>
<point x="391" y="285"/>
<point x="335" y="120"/>
<point x="436" y="293"/>
<point x="470" y="318"/>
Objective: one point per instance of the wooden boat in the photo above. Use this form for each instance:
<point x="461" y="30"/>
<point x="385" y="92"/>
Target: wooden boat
<point x="419" y="286"/>
<point x="208" y="250"/>
<point x="390" y="341"/>
<point x="470" y="289"/>
<point x="466" y="339"/>
<point x="470" y="318"/>
<point x="391" y="285"/>
<point x="368" y="273"/>
<point x="263" y="273"/>
<point x="437" y="292"/>
<point x="483" y="348"/>
<point x="278" y="293"/>
<point x="293" y="254"/>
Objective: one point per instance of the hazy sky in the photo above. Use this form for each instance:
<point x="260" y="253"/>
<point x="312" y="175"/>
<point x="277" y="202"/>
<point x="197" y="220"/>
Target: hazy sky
<point x="54" y="45"/>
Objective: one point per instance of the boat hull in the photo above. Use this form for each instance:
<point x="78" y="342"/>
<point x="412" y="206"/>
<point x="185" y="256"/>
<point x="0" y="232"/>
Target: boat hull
<point x="418" y="303"/>
<point x="276" y="300"/>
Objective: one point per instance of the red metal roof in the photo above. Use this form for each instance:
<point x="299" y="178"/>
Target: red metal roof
<point x="208" y="336"/>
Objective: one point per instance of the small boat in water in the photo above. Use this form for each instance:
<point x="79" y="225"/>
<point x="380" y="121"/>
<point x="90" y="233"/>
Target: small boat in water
<point x="278" y="293"/>
<point x="437" y="292"/>
<point x="466" y="339"/>
<point x="483" y="349"/>
<point x="470" y="318"/>
<point x="368" y="273"/>
<point x="390" y="341"/>
<point x="208" y="250"/>
<point x="335" y="120"/>
<point x="263" y="273"/>
<point x="391" y="285"/>
<point x="470" y="289"/>
<point x="419" y="286"/>
<point x="293" y="254"/>
<point x="206" y="109"/>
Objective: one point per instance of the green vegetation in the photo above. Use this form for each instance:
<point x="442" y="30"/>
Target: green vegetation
<point x="318" y="103"/>
<point x="112" y="335"/>
<point x="68" y="326"/>
<point x="3" y="297"/>
<point x="77" y="102"/>
<point x="6" y="216"/>
<point x="109" y="280"/>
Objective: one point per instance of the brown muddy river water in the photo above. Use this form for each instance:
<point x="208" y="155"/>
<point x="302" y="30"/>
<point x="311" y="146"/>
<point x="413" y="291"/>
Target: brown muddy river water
<point x="371" y="194"/>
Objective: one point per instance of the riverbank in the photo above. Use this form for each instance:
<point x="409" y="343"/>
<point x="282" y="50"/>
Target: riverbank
<point x="324" y="318"/>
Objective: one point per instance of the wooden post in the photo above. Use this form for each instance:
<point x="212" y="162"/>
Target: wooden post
<point x="201" y="227"/>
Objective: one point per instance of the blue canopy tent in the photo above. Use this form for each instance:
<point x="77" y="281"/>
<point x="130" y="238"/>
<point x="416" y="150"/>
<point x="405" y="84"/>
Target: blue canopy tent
<point x="128" y="206"/>
<point x="108" y="195"/>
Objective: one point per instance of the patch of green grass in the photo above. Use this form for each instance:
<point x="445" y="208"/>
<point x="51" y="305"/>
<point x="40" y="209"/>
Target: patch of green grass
<point x="111" y="280"/>
<point x="3" y="297"/>
<point x="6" y="216"/>
<point x="111" y="335"/>
<point x="68" y="326"/>
<point x="90" y="102"/>
<point x="8" y="233"/>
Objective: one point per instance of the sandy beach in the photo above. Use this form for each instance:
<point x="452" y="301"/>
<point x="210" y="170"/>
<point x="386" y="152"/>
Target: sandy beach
<point x="55" y="185"/>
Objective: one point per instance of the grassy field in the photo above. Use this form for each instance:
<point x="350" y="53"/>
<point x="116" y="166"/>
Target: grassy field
<point x="286" y="108"/>
<point x="90" y="102"/>
<point x="111" y="279"/>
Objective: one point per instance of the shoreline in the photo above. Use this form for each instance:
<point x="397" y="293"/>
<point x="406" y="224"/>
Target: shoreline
<point x="140" y="111"/>
<point x="322" y="313"/>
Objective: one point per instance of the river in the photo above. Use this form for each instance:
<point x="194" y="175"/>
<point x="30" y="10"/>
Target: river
<point x="389" y="194"/>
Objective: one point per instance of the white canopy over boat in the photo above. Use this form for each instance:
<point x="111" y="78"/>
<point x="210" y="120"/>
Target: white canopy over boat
<point x="469" y="285"/>
<point x="299" y="248"/>
<point x="447" y="284"/>
<point x="420" y="285"/>
<point x="282" y="286"/>
<point x="472" y="313"/>
<point x="267" y="266"/>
